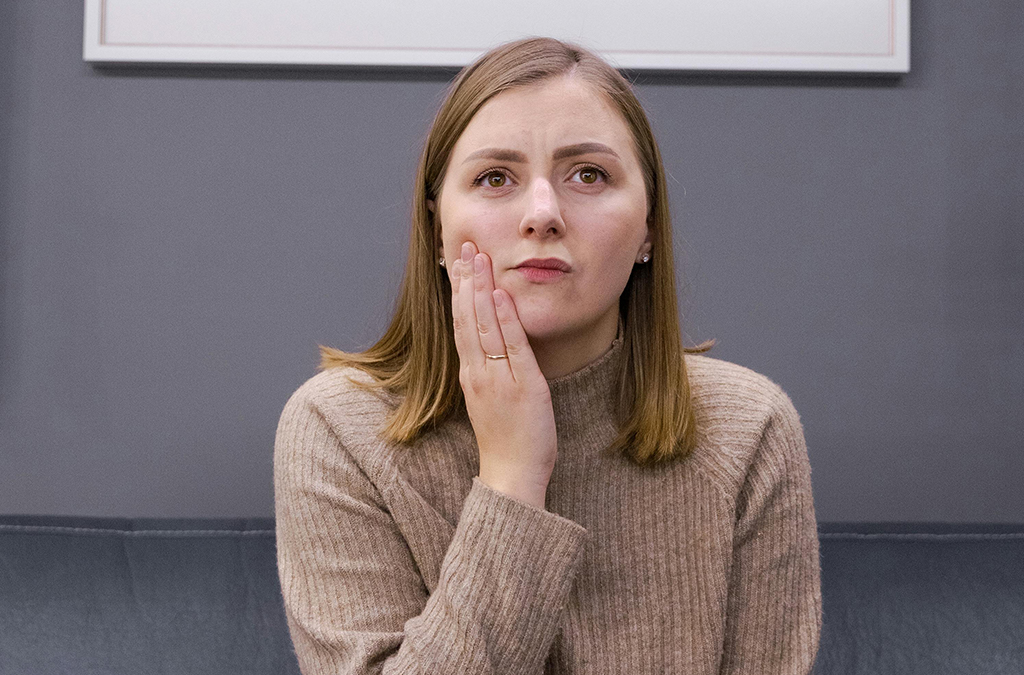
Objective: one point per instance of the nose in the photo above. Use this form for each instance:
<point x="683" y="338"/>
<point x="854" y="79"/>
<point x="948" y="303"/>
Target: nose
<point x="543" y="217"/>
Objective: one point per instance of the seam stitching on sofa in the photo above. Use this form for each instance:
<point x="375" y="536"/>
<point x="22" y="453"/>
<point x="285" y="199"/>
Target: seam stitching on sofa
<point x="42" y="529"/>
<point x="920" y="535"/>
<point x="242" y="533"/>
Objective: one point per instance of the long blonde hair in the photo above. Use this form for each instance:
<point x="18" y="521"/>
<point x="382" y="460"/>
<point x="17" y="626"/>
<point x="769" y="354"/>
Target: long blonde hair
<point x="417" y="359"/>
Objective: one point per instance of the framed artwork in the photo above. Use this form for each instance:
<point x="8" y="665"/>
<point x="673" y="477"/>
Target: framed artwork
<point x="684" y="35"/>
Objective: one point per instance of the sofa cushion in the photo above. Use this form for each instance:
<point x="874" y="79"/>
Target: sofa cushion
<point x="908" y="598"/>
<point x="106" y="595"/>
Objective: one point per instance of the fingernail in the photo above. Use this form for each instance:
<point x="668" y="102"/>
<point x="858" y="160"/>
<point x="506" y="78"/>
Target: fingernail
<point x="478" y="264"/>
<point x="498" y="299"/>
<point x="467" y="252"/>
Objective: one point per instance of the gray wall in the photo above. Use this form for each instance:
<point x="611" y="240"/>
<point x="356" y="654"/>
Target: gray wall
<point x="175" y="242"/>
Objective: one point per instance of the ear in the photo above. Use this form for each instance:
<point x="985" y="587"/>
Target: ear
<point x="648" y="242"/>
<point x="432" y="207"/>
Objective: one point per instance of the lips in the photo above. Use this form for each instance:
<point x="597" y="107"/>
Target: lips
<point x="546" y="264"/>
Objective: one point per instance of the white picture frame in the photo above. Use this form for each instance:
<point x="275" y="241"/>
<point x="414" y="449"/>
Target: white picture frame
<point x="868" y="36"/>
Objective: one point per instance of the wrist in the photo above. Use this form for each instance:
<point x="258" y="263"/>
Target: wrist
<point x="532" y="495"/>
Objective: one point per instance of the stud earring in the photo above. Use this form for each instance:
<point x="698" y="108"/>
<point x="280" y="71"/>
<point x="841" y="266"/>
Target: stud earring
<point x="645" y="257"/>
<point x="441" y="261"/>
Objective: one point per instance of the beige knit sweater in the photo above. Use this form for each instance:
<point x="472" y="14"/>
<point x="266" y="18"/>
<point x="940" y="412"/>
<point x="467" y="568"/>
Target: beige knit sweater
<point x="400" y="560"/>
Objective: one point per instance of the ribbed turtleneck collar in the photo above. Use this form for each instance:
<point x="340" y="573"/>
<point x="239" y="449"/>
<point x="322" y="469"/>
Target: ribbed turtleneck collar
<point x="588" y="393"/>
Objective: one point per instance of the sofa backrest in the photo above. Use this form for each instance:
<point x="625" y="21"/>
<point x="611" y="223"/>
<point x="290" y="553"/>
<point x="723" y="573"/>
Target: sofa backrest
<point x="106" y="595"/>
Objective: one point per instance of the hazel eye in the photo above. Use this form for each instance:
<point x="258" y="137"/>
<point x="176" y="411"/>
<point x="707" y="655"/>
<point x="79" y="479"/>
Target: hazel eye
<point x="495" y="178"/>
<point x="590" y="174"/>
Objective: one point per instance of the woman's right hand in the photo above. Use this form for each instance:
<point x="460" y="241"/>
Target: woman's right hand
<point x="508" y="400"/>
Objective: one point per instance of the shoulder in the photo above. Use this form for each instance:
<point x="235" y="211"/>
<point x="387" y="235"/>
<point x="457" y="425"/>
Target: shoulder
<point x="337" y="402"/>
<point x="343" y="392"/>
<point x="738" y="412"/>
<point x="728" y="391"/>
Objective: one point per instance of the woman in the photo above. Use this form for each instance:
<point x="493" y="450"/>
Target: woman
<point x="528" y="473"/>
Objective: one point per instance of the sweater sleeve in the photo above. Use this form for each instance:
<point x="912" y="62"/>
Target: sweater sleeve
<point x="773" y="621"/>
<point x="354" y="600"/>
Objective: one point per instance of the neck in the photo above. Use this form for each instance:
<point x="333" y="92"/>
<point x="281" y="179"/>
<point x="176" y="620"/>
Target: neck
<point x="564" y="354"/>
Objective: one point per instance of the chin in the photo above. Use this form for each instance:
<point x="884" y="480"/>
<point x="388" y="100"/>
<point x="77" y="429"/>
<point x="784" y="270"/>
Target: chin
<point x="543" y="333"/>
<point x="546" y="325"/>
<point x="546" y="321"/>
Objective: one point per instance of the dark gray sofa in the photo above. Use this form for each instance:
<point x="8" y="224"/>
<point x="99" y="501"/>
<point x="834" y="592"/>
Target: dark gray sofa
<point x="106" y="595"/>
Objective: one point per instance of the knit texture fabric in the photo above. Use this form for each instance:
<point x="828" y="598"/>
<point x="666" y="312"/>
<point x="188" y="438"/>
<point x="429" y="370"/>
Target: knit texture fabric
<point x="398" y="559"/>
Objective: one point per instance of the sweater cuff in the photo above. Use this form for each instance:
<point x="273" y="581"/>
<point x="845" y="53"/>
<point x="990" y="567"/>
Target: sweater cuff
<point x="520" y="533"/>
<point x="509" y="570"/>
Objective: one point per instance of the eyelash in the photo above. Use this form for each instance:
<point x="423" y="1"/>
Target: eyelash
<point x="581" y="167"/>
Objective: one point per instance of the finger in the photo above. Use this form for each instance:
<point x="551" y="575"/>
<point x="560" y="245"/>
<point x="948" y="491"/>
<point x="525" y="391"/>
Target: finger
<point x="457" y="321"/>
<point x="486" y="317"/>
<point x="520" y="355"/>
<point x="471" y="353"/>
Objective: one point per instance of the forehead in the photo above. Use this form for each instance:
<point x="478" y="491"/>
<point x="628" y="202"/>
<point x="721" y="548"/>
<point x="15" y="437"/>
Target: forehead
<point x="554" y="111"/>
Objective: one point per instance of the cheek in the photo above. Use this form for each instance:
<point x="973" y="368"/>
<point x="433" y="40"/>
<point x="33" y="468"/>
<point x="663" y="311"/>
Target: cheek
<point x="615" y="231"/>
<point x="615" y="237"/>
<point x="614" y="265"/>
<point x="485" y="226"/>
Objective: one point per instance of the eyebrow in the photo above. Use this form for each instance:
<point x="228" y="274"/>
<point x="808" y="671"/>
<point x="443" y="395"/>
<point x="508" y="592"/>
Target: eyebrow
<point x="504" y="155"/>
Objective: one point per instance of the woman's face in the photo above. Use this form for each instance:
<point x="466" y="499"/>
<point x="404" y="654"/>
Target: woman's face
<point x="548" y="170"/>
